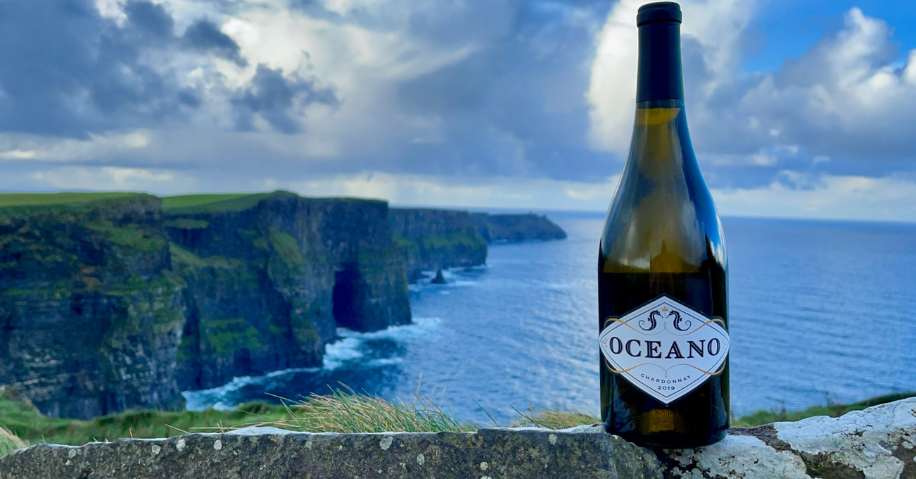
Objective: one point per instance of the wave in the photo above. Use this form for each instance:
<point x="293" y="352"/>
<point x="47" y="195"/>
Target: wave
<point x="348" y="349"/>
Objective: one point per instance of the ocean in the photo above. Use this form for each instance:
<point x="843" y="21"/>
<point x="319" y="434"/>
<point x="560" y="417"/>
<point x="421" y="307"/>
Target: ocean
<point x="820" y="312"/>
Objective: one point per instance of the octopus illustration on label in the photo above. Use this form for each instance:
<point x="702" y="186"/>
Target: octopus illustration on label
<point x="664" y="348"/>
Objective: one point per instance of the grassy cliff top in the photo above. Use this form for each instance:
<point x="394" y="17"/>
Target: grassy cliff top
<point x="212" y="203"/>
<point x="174" y="205"/>
<point x="223" y="202"/>
<point x="67" y="197"/>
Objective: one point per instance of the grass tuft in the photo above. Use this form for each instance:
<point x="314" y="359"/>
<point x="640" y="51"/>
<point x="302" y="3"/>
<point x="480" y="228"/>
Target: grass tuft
<point x="345" y="411"/>
<point x="554" y="419"/>
<point x="10" y="442"/>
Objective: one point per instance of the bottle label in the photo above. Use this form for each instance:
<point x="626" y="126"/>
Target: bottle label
<point x="665" y="348"/>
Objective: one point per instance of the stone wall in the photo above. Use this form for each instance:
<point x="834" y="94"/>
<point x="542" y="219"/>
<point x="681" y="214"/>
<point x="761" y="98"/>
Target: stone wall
<point x="878" y="443"/>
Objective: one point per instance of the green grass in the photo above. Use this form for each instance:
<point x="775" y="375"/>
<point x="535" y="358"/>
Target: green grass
<point x="340" y="411"/>
<point x="41" y="199"/>
<point x="224" y="336"/>
<point x="345" y="411"/>
<point x="213" y="203"/>
<point x="555" y="419"/>
<point x="27" y="423"/>
<point x="129" y="235"/>
<point x="10" y="441"/>
<point x="184" y="258"/>
<point x="831" y="409"/>
<point x="285" y="246"/>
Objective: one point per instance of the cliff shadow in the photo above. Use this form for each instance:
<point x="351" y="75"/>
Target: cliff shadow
<point x="348" y="297"/>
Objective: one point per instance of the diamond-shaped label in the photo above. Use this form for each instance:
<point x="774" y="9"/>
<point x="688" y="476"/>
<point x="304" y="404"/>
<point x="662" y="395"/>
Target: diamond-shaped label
<point x="665" y="348"/>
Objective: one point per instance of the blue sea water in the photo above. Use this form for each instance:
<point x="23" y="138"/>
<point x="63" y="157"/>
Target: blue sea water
<point x="819" y="311"/>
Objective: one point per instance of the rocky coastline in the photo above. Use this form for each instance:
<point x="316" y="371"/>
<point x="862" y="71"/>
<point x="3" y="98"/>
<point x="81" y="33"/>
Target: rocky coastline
<point x="116" y="301"/>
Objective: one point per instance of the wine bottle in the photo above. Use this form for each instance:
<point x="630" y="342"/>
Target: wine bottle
<point x="662" y="270"/>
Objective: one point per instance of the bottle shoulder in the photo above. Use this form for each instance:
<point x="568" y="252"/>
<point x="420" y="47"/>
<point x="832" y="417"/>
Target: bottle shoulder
<point x="673" y="227"/>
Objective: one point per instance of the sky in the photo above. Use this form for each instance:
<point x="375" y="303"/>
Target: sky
<point x="801" y="109"/>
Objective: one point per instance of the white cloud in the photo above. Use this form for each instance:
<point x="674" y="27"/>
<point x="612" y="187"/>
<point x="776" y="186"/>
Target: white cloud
<point x="831" y="197"/>
<point x="845" y="97"/>
<point x="715" y="25"/>
<point x="107" y="178"/>
<point x="98" y="147"/>
<point x="18" y="154"/>
<point x="841" y="197"/>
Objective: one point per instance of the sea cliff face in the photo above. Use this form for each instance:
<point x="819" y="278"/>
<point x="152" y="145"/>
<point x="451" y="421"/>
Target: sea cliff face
<point x="270" y="277"/>
<point x="434" y="238"/>
<point x="513" y="228"/>
<point x="108" y="303"/>
<point x="114" y="301"/>
<point x="90" y="315"/>
<point x="431" y="239"/>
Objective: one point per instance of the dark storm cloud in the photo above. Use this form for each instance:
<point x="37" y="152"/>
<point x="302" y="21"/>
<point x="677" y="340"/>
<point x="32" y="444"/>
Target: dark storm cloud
<point x="272" y="96"/>
<point x="66" y="71"/>
<point x="206" y="36"/>
<point x="150" y="18"/>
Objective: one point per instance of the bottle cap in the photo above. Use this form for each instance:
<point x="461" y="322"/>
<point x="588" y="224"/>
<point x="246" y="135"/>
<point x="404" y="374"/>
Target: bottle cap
<point x="658" y="12"/>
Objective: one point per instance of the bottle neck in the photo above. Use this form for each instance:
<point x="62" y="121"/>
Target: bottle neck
<point x="659" y="74"/>
<point x="661" y="149"/>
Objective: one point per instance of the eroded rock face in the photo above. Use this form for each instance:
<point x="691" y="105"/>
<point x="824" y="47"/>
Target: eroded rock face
<point x="431" y="239"/>
<point x="513" y="228"/>
<point x="875" y="443"/>
<point x="105" y="302"/>
<point x="90" y="315"/>
<point x="271" y="277"/>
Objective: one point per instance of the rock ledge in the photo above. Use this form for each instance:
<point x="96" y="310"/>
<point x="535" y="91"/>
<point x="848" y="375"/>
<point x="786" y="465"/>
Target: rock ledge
<point x="878" y="443"/>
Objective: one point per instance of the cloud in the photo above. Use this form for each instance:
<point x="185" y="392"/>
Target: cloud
<point x="204" y="35"/>
<point x="149" y="18"/>
<point x="710" y="37"/>
<point x="509" y="100"/>
<point x="67" y="71"/>
<point x="272" y="97"/>
<point x="73" y="70"/>
<point x="845" y="99"/>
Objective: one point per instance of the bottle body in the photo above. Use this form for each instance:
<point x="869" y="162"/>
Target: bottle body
<point x="663" y="239"/>
<point x="662" y="272"/>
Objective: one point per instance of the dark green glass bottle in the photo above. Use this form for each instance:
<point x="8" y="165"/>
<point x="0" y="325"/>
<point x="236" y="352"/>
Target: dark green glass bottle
<point x="662" y="270"/>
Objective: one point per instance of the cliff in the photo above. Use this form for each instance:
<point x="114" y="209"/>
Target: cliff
<point x="90" y="315"/>
<point x="270" y="276"/>
<point x="431" y="239"/>
<point x="108" y="302"/>
<point x="514" y="228"/>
